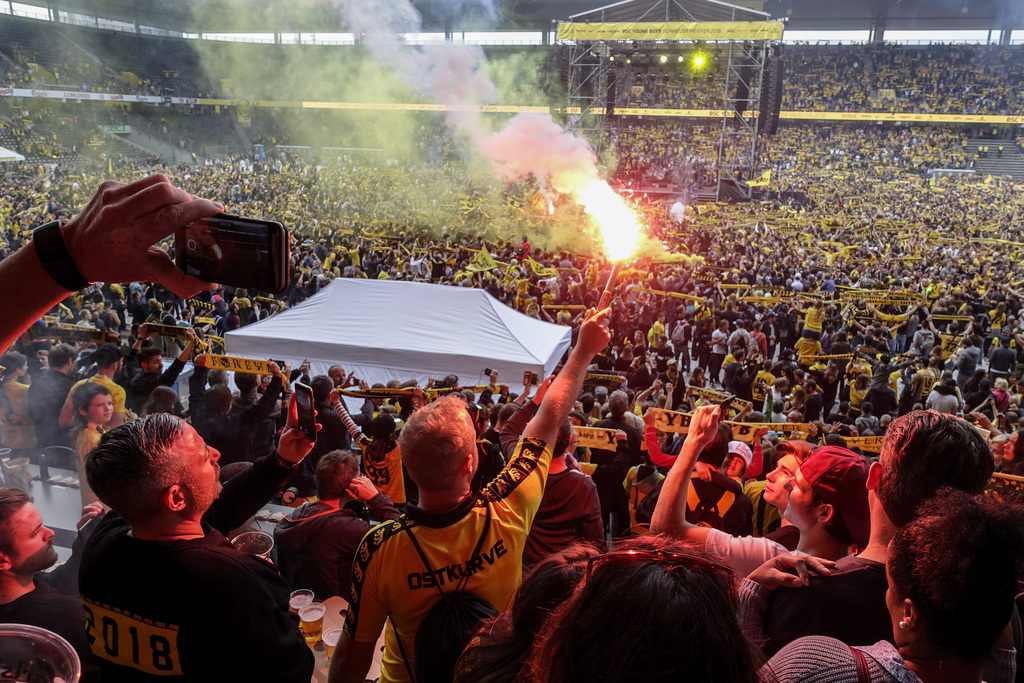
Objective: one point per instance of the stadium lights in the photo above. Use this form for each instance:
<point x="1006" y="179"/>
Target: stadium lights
<point x="680" y="58"/>
<point x="699" y="61"/>
<point x="664" y="58"/>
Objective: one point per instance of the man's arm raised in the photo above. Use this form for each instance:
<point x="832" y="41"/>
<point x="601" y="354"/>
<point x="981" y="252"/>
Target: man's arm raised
<point x="670" y="513"/>
<point x="114" y="240"/>
<point x="562" y="393"/>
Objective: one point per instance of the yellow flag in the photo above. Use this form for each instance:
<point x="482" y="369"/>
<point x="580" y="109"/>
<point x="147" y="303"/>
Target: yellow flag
<point x="540" y="270"/>
<point x="482" y="262"/>
<point x="762" y="179"/>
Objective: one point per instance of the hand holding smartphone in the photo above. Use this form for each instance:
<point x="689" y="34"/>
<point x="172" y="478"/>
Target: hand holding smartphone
<point x="235" y="250"/>
<point x="306" y="414"/>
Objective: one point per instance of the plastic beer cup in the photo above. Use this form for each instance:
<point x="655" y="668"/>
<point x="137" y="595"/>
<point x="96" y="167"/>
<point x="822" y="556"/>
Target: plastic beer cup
<point x="299" y="599"/>
<point x="331" y="638"/>
<point x="311" y="619"/>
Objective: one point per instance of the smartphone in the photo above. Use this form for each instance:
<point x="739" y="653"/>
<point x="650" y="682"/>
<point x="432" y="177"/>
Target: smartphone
<point x="304" y="403"/>
<point x="530" y="379"/>
<point x="726" y="405"/>
<point x="234" y="250"/>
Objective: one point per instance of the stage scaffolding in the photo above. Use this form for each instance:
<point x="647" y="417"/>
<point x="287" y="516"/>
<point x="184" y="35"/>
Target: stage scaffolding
<point x="592" y="82"/>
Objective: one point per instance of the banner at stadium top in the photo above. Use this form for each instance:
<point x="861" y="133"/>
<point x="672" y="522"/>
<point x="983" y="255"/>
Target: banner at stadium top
<point x="672" y="30"/>
<point x="93" y="96"/>
<point x="504" y="109"/>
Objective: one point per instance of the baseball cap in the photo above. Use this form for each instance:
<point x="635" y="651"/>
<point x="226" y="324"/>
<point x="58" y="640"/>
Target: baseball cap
<point x="743" y="450"/>
<point x="839" y="477"/>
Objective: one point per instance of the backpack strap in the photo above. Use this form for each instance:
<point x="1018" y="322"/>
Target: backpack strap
<point x="423" y="558"/>
<point x="863" y="675"/>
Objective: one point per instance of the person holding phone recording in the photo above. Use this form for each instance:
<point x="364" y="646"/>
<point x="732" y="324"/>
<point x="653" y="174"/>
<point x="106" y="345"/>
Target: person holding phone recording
<point x="114" y="239"/>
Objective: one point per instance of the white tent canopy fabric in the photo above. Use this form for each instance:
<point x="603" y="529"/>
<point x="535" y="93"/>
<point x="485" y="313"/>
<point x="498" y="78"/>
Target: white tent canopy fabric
<point x="10" y="155"/>
<point x="384" y="330"/>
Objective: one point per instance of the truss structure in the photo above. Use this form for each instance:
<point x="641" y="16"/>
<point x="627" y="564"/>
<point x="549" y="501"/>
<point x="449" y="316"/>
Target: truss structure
<point x="592" y="86"/>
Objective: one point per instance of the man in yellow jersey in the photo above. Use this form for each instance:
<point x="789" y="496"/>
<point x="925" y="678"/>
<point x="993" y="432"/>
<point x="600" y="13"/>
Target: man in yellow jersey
<point x="389" y="577"/>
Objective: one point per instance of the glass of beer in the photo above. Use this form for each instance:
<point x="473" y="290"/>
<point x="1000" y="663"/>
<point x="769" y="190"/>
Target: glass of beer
<point x="311" y="620"/>
<point x="299" y="599"/>
<point x="331" y="638"/>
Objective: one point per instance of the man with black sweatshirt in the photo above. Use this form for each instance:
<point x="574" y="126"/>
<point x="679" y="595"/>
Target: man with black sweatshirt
<point x="166" y="595"/>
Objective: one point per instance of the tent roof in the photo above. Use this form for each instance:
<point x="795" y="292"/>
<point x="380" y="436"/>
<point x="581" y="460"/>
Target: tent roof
<point x="405" y="329"/>
<point x="10" y="155"/>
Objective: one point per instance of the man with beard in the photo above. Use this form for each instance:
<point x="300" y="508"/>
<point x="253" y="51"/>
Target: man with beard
<point x="29" y="594"/>
<point x="166" y="596"/>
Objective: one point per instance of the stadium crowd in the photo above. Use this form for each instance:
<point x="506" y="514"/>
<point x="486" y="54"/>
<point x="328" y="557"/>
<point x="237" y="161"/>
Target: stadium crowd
<point x="851" y="314"/>
<point x="796" y="425"/>
<point x="931" y="79"/>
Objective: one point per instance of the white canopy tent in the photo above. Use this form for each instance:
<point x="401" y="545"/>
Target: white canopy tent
<point x="386" y="330"/>
<point x="10" y="155"/>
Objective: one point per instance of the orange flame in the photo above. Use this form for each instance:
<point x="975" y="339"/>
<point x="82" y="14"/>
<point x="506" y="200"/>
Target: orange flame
<point x="619" y="224"/>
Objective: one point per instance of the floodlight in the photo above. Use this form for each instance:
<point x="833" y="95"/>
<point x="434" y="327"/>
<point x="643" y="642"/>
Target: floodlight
<point x="699" y="61"/>
<point x="664" y="59"/>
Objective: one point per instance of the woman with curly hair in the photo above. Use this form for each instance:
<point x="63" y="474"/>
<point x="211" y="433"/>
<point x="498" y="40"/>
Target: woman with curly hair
<point x="952" y="576"/>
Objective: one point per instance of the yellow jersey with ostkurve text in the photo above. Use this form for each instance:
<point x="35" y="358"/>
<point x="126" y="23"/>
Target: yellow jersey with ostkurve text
<point x="390" y="579"/>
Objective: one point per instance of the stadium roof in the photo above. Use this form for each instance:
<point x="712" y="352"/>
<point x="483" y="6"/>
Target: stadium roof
<point x="799" y="14"/>
<point x="321" y="15"/>
<point x="670" y="10"/>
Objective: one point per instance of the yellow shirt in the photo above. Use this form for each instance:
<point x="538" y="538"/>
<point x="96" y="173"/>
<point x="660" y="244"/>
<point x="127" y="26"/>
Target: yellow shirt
<point x="807" y="349"/>
<point x="86" y="440"/>
<point x="389" y="577"/>
<point x="757" y="392"/>
<point x="813" y="319"/>
<point x="116" y="391"/>
<point x="856" y="397"/>
<point x="657" y="331"/>
<point x="387" y="476"/>
<point x="16" y="427"/>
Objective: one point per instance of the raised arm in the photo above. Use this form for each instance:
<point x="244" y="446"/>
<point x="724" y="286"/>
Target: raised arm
<point x="126" y="220"/>
<point x="670" y="514"/>
<point x="346" y="419"/>
<point x="561" y="396"/>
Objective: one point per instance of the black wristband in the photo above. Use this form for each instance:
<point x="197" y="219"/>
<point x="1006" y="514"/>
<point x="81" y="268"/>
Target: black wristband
<point x="53" y="255"/>
<point x="281" y="462"/>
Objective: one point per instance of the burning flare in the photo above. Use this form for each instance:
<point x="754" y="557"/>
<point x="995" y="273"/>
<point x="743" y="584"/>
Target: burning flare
<point x="619" y="224"/>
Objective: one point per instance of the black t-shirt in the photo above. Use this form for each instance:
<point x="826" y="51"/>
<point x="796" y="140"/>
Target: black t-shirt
<point x="1002" y="359"/>
<point x="813" y="407"/>
<point x="849" y="605"/>
<point x="62" y="614"/>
